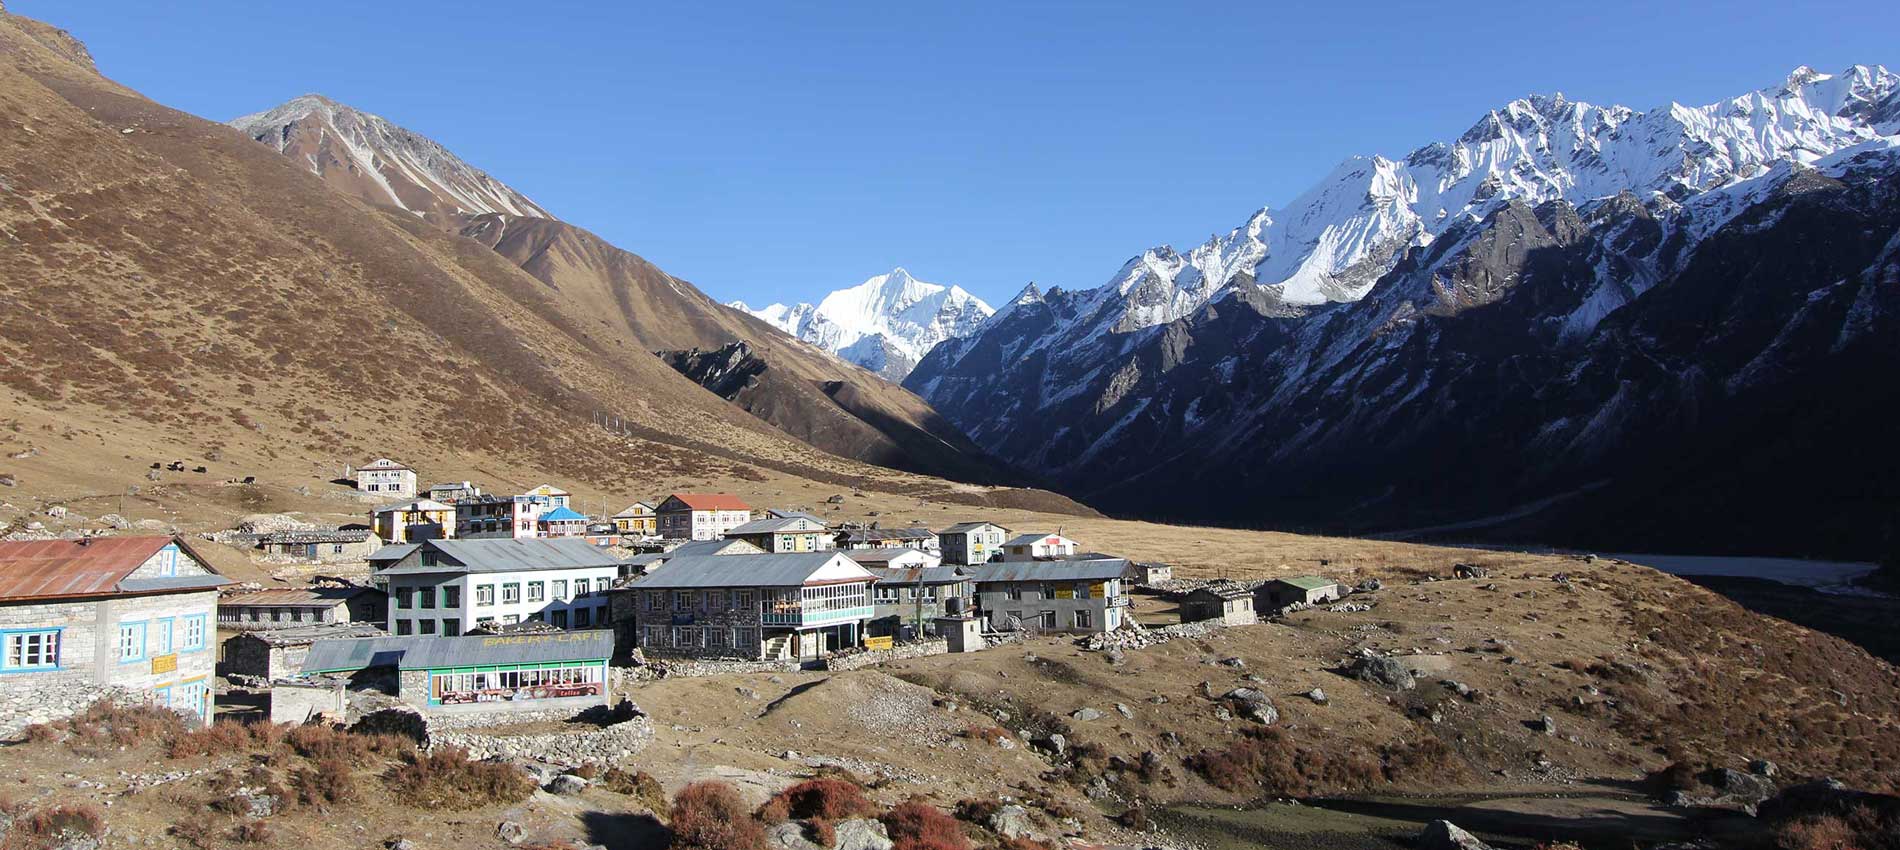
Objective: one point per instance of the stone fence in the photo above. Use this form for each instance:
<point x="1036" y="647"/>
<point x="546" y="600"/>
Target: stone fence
<point x="602" y="745"/>
<point x="866" y="658"/>
<point x="667" y="668"/>
<point x="23" y="704"/>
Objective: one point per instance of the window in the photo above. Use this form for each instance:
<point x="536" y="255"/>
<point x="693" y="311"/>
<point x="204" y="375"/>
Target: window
<point x="1046" y="619"/>
<point x="581" y="617"/>
<point x="715" y="599"/>
<point x="559" y="589"/>
<point x="511" y="593"/>
<point x="427" y="596"/>
<point x="1081" y="590"/>
<point x="682" y="600"/>
<point x="163" y="627"/>
<point x="581" y="587"/>
<point x="742" y="599"/>
<point x="426" y="627"/>
<point x="405" y="597"/>
<point x="452" y="596"/>
<point x="930" y="594"/>
<point x="1014" y="592"/>
<point x="655" y="600"/>
<point x="1084" y="618"/>
<point x="481" y="620"/>
<point x="510" y="619"/>
<point x="191" y="697"/>
<point x="131" y="641"/>
<point x="484" y="594"/>
<point x="31" y="650"/>
<point x="404" y="627"/>
<point x="451" y="626"/>
<point x="885" y="593"/>
<point x="336" y="548"/>
<point x="537" y="591"/>
<point x="558" y="618"/>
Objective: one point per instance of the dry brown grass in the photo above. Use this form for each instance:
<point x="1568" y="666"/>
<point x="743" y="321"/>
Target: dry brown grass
<point x="446" y="778"/>
<point x="917" y="825"/>
<point x="825" y="799"/>
<point x="52" y="826"/>
<point x="711" y="816"/>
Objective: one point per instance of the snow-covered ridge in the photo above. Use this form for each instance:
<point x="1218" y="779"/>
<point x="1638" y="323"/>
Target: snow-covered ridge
<point x="885" y="324"/>
<point x="382" y="160"/>
<point x="1332" y="243"/>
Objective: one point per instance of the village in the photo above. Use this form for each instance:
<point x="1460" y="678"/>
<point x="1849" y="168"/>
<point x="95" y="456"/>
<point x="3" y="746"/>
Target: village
<point x="450" y="602"/>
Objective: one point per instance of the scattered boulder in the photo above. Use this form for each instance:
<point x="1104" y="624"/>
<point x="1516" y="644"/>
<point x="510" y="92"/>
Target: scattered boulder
<point x="1763" y="767"/>
<point x="8" y="481"/>
<point x="1317" y="696"/>
<point x="1370" y="585"/>
<point x="1115" y="656"/>
<point x="511" y="832"/>
<point x="1469" y="571"/>
<point x="567" y="784"/>
<point x="1544" y="725"/>
<point x="1234" y="661"/>
<point x="56" y="511"/>
<point x="861" y="834"/>
<point x="1445" y="835"/>
<point x="1124" y="710"/>
<point x="1086" y="714"/>
<point x="400" y="844"/>
<point x="1011" y="821"/>
<point x="1056" y="743"/>
<point x="1384" y="671"/>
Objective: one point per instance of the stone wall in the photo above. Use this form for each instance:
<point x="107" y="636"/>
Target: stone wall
<point x="25" y="702"/>
<point x="866" y="658"/>
<point x="663" y="668"/>
<point x="299" y="702"/>
<point x="89" y="667"/>
<point x="603" y="745"/>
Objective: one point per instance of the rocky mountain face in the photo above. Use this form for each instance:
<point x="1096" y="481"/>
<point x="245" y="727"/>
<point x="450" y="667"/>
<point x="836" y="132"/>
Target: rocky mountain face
<point x="618" y="297"/>
<point x="1572" y="324"/>
<point x="367" y="156"/>
<point x="885" y="324"/>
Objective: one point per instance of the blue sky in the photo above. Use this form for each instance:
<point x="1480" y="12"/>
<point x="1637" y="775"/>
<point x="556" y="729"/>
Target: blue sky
<point x="776" y="151"/>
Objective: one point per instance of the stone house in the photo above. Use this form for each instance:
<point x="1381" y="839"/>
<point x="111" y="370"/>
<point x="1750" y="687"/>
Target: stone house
<point x="413" y="522"/>
<point x="970" y="543"/>
<point x="277" y="653"/>
<point x="907" y="601"/>
<point x="385" y="477"/>
<point x="1281" y="592"/>
<point x="1225" y="602"/>
<point x="565" y="671"/>
<point x="701" y="516"/>
<point x="454" y="491"/>
<point x="638" y="520"/>
<point x="93" y="617"/>
<point x="647" y="562"/>
<point x="1149" y="573"/>
<point x="1058" y="596"/>
<point x="446" y="587"/>
<point x="784" y="534"/>
<point x="1038" y="547"/>
<point x="326" y="547"/>
<point x="276" y="608"/>
<point x="801" y="605"/>
<point x="888" y="538"/>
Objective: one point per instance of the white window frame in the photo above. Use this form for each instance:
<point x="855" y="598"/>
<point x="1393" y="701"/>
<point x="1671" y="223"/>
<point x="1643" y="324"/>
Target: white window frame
<point x="131" y="645"/>
<point x="36" y="649"/>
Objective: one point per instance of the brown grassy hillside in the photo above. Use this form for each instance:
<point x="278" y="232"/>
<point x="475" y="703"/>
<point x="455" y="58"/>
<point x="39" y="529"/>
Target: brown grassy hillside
<point x="175" y="290"/>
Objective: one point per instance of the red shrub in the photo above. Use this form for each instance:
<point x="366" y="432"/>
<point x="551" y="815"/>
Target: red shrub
<point x="917" y="825"/>
<point x="711" y="816"/>
<point x="829" y="799"/>
<point x="448" y="779"/>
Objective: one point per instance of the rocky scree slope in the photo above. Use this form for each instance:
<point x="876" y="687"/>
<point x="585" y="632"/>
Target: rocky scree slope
<point x="1663" y="327"/>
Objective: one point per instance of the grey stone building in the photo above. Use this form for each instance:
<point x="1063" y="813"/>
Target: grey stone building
<point x="277" y="608"/>
<point x="1052" y="596"/>
<point x="1224" y="602"/>
<point x="752" y="607"/>
<point x="480" y="673"/>
<point x="907" y="601"/>
<point x="1310" y="590"/>
<point x="277" y="653"/>
<point x="120" y="617"/>
<point x="324" y="547"/>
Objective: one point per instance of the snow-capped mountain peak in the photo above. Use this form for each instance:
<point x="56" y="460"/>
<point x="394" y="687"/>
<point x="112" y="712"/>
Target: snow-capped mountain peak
<point x="372" y="158"/>
<point x="885" y="324"/>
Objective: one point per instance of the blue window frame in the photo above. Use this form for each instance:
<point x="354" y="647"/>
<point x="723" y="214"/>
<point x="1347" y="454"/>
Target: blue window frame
<point x="192" y="635"/>
<point x="163" y="635"/>
<point x="28" y="650"/>
<point x="131" y="642"/>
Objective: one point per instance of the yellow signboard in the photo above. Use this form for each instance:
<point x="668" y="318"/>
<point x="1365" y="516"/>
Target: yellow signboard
<point x="165" y="663"/>
<point x="1065" y="593"/>
<point x="877" y="642"/>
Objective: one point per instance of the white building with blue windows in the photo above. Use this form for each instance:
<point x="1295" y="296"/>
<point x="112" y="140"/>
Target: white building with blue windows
<point x="121" y="617"/>
<point x="448" y="587"/>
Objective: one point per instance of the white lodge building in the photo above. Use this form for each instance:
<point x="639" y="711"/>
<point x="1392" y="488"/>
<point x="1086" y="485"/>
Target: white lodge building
<point x="81" y="619"/>
<point x="447" y="587"/>
<point x="385" y="477"/>
<point x="755" y="607"/>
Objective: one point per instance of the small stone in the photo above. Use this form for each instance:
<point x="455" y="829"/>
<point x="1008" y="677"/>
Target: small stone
<point x="1086" y="714"/>
<point x="1125" y="711"/>
<point x="1317" y="696"/>
<point x="567" y="784"/>
<point x="511" y="832"/>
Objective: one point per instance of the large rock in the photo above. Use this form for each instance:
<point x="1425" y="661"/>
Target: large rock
<point x="511" y="832"/>
<point x="1389" y="673"/>
<point x="854" y="834"/>
<point x="1445" y="835"/>
<point x="1011" y="821"/>
<point x="567" y="784"/>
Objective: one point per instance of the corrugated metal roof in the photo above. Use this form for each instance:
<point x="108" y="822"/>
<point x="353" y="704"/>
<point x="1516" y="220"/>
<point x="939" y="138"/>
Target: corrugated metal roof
<point x="281" y="538"/>
<point x="856" y="534"/>
<point x="963" y="527"/>
<point x="162" y="584"/>
<point x="562" y="515"/>
<point x="1031" y="539"/>
<point x="307" y="634"/>
<point x="635" y="510"/>
<point x="1004" y="571"/>
<point x="786" y="569"/>
<point x="868" y="557"/>
<point x="296" y="596"/>
<point x="930" y="575"/>
<point x="417" y="505"/>
<point x="1221" y="591"/>
<point x="1307" y="582"/>
<point x="426" y="652"/>
<point x="504" y="555"/>
<point x="93" y="566"/>
<point x="391" y="553"/>
<point x="711" y="501"/>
